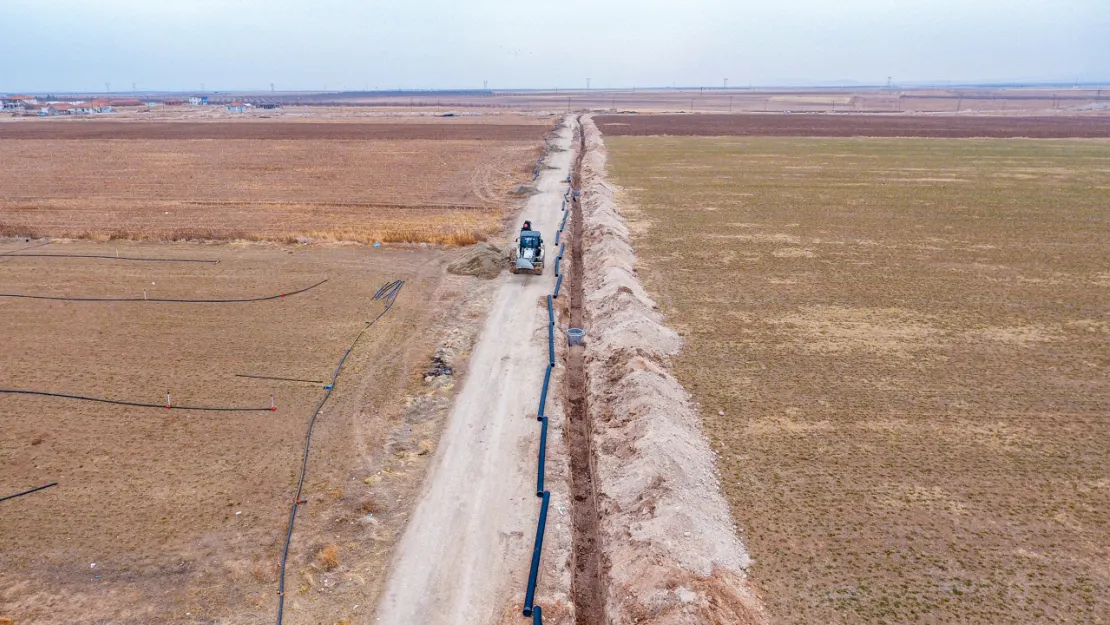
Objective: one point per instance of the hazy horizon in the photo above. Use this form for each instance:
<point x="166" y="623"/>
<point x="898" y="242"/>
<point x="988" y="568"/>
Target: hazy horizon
<point x="347" y="45"/>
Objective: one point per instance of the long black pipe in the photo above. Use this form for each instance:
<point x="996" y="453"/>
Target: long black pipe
<point x="110" y="257"/>
<point x="152" y="299"/>
<point x="28" y="492"/>
<point x="543" y="393"/>
<point x="534" y="572"/>
<point x="543" y="457"/>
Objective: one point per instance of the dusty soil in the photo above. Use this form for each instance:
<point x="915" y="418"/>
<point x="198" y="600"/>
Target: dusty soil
<point x="669" y="549"/>
<point x="484" y="260"/>
<point x="170" y="517"/>
<point x="465" y="555"/>
<point x="221" y="182"/>
<point x="899" y="352"/>
<point x="844" y="125"/>
<point x="438" y="130"/>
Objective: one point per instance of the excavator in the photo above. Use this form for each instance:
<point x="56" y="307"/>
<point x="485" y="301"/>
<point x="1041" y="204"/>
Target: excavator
<point x="528" y="255"/>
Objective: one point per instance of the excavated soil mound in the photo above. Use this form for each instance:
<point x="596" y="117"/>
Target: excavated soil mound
<point x="484" y="260"/>
<point x="670" y="550"/>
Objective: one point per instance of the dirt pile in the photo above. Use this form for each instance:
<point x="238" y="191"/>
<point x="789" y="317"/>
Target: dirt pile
<point x="670" y="547"/>
<point x="484" y="260"/>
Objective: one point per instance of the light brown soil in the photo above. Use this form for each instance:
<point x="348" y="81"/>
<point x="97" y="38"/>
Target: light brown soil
<point x="306" y="130"/>
<point x="262" y="181"/>
<point x="853" y="126"/>
<point x="176" y="516"/>
<point x="670" y="551"/>
<point x="899" y="351"/>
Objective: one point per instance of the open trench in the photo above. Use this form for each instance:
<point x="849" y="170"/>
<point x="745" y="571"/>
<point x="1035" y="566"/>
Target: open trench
<point x="587" y="587"/>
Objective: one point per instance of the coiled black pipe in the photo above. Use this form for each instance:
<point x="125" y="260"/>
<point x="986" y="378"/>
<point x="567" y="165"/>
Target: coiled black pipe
<point x="154" y="299"/>
<point x="102" y="400"/>
<point x="388" y="294"/>
<point x="28" y="491"/>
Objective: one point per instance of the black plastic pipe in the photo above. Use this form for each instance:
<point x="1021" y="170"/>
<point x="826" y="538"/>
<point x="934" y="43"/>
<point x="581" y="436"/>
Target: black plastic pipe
<point x="533" y="573"/>
<point x="543" y="457"/>
<point x="543" y="393"/>
<point x="558" y="284"/>
<point x="537" y="615"/>
<point x="38" y="488"/>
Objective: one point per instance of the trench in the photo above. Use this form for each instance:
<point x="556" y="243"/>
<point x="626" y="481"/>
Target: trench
<point x="587" y="587"/>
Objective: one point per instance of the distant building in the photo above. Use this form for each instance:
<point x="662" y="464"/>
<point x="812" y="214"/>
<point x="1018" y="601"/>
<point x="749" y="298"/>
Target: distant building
<point x="101" y="106"/>
<point x="57" y="108"/>
<point x="198" y="100"/>
<point x="237" y="107"/>
<point x="127" y="102"/>
<point x="17" y="103"/>
<point x="269" y="107"/>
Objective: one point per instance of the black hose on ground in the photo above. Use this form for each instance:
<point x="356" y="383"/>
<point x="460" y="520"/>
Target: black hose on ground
<point x="109" y="257"/>
<point x="388" y="294"/>
<point x="168" y="300"/>
<point x="102" y="400"/>
<point x="28" y="491"/>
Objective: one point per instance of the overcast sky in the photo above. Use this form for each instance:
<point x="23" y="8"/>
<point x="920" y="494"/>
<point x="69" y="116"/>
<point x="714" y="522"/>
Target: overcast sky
<point x="78" y="45"/>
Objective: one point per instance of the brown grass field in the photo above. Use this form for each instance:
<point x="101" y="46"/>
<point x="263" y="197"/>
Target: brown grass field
<point x="899" y="348"/>
<point x="179" y="516"/>
<point x="271" y="181"/>
<point x="846" y="125"/>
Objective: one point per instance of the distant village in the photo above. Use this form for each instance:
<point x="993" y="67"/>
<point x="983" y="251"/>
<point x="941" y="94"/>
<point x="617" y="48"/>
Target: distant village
<point x="51" y="107"/>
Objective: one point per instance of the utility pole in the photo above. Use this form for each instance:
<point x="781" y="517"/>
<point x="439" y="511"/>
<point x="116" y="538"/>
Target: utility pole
<point x="587" y="84"/>
<point x="108" y="88"/>
<point x="133" y="89"/>
<point x="726" y="83"/>
<point x="271" y="87"/>
<point x="485" y="85"/>
<point x="568" y="103"/>
<point x="730" y="104"/>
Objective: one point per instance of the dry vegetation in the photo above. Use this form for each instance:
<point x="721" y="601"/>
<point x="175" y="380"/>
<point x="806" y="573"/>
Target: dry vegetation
<point x="159" y="513"/>
<point x="900" y="351"/>
<point x="227" y="183"/>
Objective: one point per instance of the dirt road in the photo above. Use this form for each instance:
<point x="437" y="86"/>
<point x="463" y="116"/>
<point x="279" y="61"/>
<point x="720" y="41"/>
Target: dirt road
<point x="466" y="550"/>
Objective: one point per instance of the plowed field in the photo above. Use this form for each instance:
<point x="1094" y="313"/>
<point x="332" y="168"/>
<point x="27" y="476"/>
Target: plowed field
<point x="842" y="125"/>
<point x="899" y="348"/>
<point x="408" y="182"/>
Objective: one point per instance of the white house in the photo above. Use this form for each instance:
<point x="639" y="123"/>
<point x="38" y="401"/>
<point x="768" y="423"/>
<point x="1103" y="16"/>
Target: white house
<point x="17" y="103"/>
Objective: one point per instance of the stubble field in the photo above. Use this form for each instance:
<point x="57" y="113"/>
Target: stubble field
<point x="899" y="351"/>
<point x="270" y="181"/>
<point x="179" y="516"/>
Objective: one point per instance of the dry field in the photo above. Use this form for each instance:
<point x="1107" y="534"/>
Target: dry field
<point x="273" y="181"/>
<point x="899" y="347"/>
<point x="854" y="126"/>
<point x="179" y="516"/>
